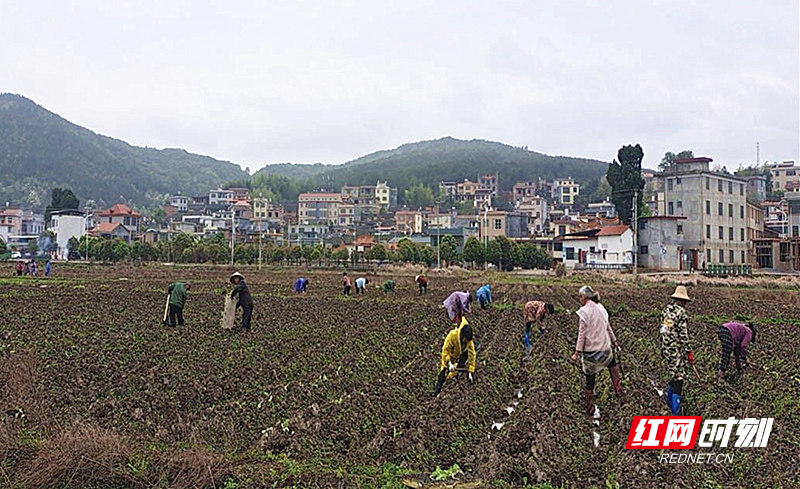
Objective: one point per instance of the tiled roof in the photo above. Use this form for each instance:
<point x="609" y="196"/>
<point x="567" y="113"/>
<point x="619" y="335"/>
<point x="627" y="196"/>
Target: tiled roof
<point x="107" y="227"/>
<point x="119" y="210"/>
<point x="612" y="230"/>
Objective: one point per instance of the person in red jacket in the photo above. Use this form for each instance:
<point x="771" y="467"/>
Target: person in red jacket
<point x="422" y="281"/>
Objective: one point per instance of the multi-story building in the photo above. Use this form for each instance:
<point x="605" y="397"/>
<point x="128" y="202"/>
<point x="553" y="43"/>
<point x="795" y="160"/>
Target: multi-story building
<point x="66" y="225"/>
<point x="783" y="173"/>
<point x="496" y="223"/>
<point x="605" y="209"/>
<point x="661" y="243"/>
<point x="564" y="191"/>
<point x="449" y="189"/>
<point x="242" y="209"/>
<point x="755" y="230"/>
<point x="32" y="223"/>
<point x="119" y="214"/>
<point x="714" y="204"/>
<point x="603" y="247"/>
<point x="489" y="182"/>
<point x="408" y="222"/>
<point x="318" y="207"/>
<point x="385" y="196"/>
<point x="265" y="210"/>
<point x="757" y="188"/>
<point x="220" y="196"/>
<point x="13" y="219"/>
<point x="537" y="209"/>
<point x="179" y="202"/>
<point x="348" y="215"/>
<point x="524" y="190"/>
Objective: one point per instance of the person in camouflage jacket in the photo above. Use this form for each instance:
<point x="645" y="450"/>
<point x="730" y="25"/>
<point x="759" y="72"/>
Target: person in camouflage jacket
<point x="675" y="346"/>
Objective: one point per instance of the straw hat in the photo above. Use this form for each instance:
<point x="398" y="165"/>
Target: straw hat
<point x="587" y="291"/>
<point x="680" y="293"/>
<point x="237" y="274"/>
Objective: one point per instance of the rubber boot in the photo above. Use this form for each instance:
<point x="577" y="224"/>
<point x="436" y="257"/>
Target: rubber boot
<point x="589" y="403"/>
<point x="676" y="404"/>
<point x="617" y="382"/>
<point x="668" y="396"/>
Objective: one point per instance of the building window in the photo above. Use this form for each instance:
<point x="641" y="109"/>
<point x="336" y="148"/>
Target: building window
<point x="730" y="256"/>
<point x="669" y="184"/>
<point x="708" y="231"/>
<point x="721" y="233"/>
<point x="670" y="210"/>
<point x="643" y="250"/>
<point x="570" y="253"/>
<point x="784" y="251"/>
<point x="790" y="173"/>
<point x="719" y="185"/>
<point x="498" y="224"/>
<point x="730" y="210"/>
<point x="730" y="234"/>
<point x="743" y="260"/>
<point x="794" y="231"/>
<point x="708" y="207"/>
<point x="708" y="256"/>
<point x="678" y="181"/>
<point x="730" y="190"/>
<point x="722" y="256"/>
<point x="680" y="228"/>
<point x="741" y="212"/>
<point x="680" y="204"/>
<point x="719" y="209"/>
<point x="741" y="234"/>
<point x="708" y="183"/>
<point x="741" y="189"/>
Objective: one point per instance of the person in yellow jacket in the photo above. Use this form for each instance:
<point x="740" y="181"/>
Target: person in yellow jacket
<point x="458" y="354"/>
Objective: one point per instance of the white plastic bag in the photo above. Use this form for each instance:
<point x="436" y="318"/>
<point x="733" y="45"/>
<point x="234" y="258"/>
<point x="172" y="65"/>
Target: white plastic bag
<point x="229" y="313"/>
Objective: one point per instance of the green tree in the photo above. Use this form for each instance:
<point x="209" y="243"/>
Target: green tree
<point x="277" y="255"/>
<point x="376" y="252"/>
<point x="448" y="248"/>
<point x="534" y="257"/>
<point x="418" y="196"/>
<point x="340" y="254"/>
<point x="180" y="242"/>
<point x="294" y="255"/>
<point x="425" y="254"/>
<point x="73" y="244"/>
<point x="474" y="251"/>
<point x="505" y="260"/>
<point x="670" y="157"/>
<point x="307" y="253"/>
<point x="3" y="248"/>
<point x="61" y="199"/>
<point x="406" y="251"/>
<point x="494" y="253"/>
<point x="33" y="248"/>
<point x="625" y="177"/>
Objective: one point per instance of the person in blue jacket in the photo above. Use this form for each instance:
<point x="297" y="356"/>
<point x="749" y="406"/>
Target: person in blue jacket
<point x="300" y="285"/>
<point x="484" y="295"/>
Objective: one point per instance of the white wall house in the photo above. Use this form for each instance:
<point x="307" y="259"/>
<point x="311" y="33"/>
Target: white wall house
<point x="609" y="246"/>
<point x="66" y="226"/>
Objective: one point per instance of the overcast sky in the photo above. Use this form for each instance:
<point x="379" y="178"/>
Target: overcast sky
<point x="265" y="82"/>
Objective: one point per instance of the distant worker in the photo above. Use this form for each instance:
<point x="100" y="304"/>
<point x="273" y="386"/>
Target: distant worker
<point x="595" y="345"/>
<point x="241" y="289"/>
<point x="675" y="347"/>
<point x="19" y="268"/>
<point x="422" y="281"/>
<point x="47" y="268"/>
<point x="26" y="269"/>
<point x="300" y="285"/>
<point x="177" y="300"/>
<point x="484" y="295"/>
<point x="361" y="285"/>
<point x="734" y="337"/>
<point x="388" y="286"/>
<point x="346" y="283"/>
<point x="457" y="304"/>
<point x="32" y="268"/>
<point x="458" y="355"/>
<point x="535" y="311"/>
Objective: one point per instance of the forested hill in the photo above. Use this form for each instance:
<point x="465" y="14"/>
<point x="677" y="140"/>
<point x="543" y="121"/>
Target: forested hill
<point x="429" y="162"/>
<point x="40" y="150"/>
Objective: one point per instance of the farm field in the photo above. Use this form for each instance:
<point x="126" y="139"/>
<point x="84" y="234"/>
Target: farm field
<point x="333" y="391"/>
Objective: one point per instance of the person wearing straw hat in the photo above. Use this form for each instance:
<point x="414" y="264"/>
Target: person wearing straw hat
<point x="595" y="345"/>
<point x="241" y="289"/>
<point x="675" y="346"/>
<point x="422" y="281"/>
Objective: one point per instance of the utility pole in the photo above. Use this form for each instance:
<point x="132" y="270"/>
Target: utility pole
<point x="259" y="243"/>
<point x="233" y="233"/>
<point x="635" y="232"/>
<point x="438" y="247"/>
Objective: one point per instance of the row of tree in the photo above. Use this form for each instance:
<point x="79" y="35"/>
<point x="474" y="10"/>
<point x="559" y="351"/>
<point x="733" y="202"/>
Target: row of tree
<point x="185" y="248"/>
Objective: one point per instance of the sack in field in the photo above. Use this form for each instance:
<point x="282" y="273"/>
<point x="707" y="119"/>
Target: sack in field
<point x="595" y="361"/>
<point x="229" y="313"/>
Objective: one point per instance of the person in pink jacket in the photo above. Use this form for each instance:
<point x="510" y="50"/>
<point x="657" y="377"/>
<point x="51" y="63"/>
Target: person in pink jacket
<point x="734" y="336"/>
<point x="457" y="304"/>
<point x="595" y="344"/>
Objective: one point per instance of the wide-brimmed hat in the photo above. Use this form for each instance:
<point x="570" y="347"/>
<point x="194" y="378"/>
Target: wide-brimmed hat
<point x="416" y="278"/>
<point x="237" y="274"/>
<point x="680" y="293"/>
<point x="587" y="291"/>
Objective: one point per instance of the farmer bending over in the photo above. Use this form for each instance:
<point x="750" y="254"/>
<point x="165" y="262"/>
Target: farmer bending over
<point x="457" y="304"/>
<point x="535" y="311"/>
<point x="458" y="355"/>
<point x="594" y="345"/>
<point x="300" y="285"/>
<point x="422" y="281"/>
<point x="484" y="295"/>
<point x="361" y="285"/>
<point x="177" y="299"/>
<point x="388" y="286"/>
<point x="734" y="337"/>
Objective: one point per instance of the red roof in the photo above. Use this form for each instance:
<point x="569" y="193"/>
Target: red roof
<point x="119" y="210"/>
<point x="612" y="230"/>
<point x="364" y="240"/>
